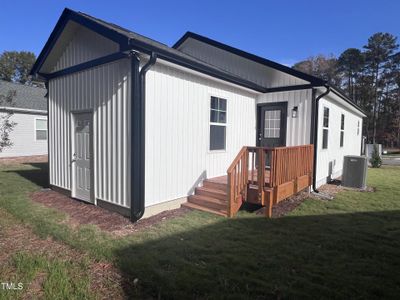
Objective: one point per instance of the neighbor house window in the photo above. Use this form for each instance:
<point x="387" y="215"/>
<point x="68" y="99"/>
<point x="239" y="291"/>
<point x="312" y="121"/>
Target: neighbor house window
<point x="40" y="129"/>
<point x="217" y="123"/>
<point x="325" y="128"/>
<point x="342" y="131"/>
<point x="358" y="128"/>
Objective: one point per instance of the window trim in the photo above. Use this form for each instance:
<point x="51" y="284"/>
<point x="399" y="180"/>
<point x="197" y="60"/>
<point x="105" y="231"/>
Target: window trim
<point x="342" y="127"/>
<point x="217" y="124"/>
<point x="35" y="129"/>
<point x="325" y="128"/>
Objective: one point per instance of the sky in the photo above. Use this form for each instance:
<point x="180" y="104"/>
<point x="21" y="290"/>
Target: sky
<point x="283" y="31"/>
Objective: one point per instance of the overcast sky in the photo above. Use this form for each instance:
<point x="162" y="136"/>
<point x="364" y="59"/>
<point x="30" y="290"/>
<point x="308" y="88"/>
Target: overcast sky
<point x="284" y="31"/>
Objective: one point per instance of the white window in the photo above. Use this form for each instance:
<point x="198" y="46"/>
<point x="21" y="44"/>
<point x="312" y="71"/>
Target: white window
<point x="325" y="128"/>
<point x="40" y="129"/>
<point x="272" y="123"/>
<point x="342" y="131"/>
<point x="217" y="124"/>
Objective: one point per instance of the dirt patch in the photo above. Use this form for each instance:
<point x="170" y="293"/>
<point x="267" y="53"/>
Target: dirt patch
<point x="5" y="161"/>
<point x="289" y="204"/>
<point x="286" y="206"/>
<point x="82" y="213"/>
<point x="17" y="238"/>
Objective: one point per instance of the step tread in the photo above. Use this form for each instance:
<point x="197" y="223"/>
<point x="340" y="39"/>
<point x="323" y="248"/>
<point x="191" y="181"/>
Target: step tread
<point x="215" y="185"/>
<point x="206" y="209"/>
<point x="210" y="192"/>
<point x="209" y="199"/>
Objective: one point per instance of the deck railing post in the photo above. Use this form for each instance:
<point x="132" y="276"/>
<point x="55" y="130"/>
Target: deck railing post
<point x="261" y="174"/>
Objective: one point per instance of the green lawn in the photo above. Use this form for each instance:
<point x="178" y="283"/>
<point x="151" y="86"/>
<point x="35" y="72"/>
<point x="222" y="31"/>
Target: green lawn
<point x="348" y="248"/>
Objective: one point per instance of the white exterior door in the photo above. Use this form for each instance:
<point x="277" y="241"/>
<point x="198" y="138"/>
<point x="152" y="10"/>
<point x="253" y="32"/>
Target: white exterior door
<point x="82" y="156"/>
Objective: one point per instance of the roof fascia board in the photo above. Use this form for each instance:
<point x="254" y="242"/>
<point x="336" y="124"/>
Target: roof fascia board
<point x="290" y="88"/>
<point x="164" y="55"/>
<point x="205" y="76"/>
<point x="344" y="101"/>
<point x="339" y="94"/>
<point x="312" y="79"/>
<point x="86" y="65"/>
<point x="66" y="16"/>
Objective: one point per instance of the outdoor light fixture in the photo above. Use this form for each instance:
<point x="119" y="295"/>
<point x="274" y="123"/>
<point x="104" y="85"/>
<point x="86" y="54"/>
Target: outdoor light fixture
<point x="294" y="112"/>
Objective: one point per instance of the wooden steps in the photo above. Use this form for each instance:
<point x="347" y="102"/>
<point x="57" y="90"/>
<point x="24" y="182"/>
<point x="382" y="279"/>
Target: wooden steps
<point x="211" y="197"/>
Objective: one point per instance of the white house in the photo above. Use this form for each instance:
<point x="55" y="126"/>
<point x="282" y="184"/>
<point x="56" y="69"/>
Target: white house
<point x="135" y="125"/>
<point x="29" y="112"/>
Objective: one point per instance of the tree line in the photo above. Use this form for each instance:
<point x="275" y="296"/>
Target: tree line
<point x="14" y="67"/>
<point x="371" y="78"/>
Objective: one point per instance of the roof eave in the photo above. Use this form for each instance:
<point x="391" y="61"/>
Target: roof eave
<point x="310" y="78"/>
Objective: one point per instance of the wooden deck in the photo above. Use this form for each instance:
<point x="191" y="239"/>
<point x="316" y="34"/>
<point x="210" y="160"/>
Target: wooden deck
<point x="289" y="172"/>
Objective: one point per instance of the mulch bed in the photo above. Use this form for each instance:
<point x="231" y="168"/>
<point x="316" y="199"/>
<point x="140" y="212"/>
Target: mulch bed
<point x="82" y="213"/>
<point x="286" y="206"/>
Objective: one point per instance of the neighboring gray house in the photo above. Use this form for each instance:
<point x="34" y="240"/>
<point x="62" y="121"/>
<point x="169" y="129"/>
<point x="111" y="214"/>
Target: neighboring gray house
<point x="29" y="108"/>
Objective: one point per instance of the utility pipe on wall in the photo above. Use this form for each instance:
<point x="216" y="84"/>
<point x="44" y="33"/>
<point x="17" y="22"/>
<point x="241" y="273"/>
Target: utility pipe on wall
<point x="138" y="121"/>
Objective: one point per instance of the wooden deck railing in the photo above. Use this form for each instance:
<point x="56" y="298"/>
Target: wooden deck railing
<point x="237" y="181"/>
<point x="290" y="163"/>
<point x="279" y="166"/>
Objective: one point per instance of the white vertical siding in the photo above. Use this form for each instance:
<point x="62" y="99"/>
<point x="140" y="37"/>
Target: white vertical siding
<point x="334" y="154"/>
<point x="105" y="90"/>
<point x="85" y="45"/>
<point x="177" y="131"/>
<point x="238" y="65"/>
<point x="23" y="136"/>
<point x="297" y="129"/>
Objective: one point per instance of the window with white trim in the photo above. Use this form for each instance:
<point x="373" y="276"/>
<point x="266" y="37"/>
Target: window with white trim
<point x="40" y="129"/>
<point x="217" y="124"/>
<point x="342" y="130"/>
<point x="325" y="128"/>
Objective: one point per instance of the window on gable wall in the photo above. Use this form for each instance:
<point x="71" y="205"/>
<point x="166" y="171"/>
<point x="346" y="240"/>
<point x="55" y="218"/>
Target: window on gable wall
<point x="217" y="124"/>
<point x="358" y="127"/>
<point x="342" y="131"/>
<point x="325" y="128"/>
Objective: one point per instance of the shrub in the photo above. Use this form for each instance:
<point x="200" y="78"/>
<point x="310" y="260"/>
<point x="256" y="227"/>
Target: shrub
<point x="375" y="160"/>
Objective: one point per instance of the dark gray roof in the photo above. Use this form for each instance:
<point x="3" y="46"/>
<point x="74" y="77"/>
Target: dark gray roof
<point x="28" y="97"/>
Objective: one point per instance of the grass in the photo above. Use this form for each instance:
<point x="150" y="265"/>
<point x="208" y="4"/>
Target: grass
<point x="346" y="248"/>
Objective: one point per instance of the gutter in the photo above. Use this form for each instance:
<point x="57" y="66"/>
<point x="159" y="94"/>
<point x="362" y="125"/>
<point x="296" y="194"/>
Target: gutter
<point x="138" y="122"/>
<point x="315" y="138"/>
<point x="23" y="110"/>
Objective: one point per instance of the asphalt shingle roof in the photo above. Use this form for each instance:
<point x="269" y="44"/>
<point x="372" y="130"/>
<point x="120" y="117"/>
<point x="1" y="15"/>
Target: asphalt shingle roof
<point x="28" y="97"/>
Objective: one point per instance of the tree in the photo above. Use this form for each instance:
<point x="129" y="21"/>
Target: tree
<point x="6" y="124"/>
<point x="15" y="66"/>
<point x="350" y="65"/>
<point x="375" y="160"/>
<point x="379" y="49"/>
<point x="321" y="66"/>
